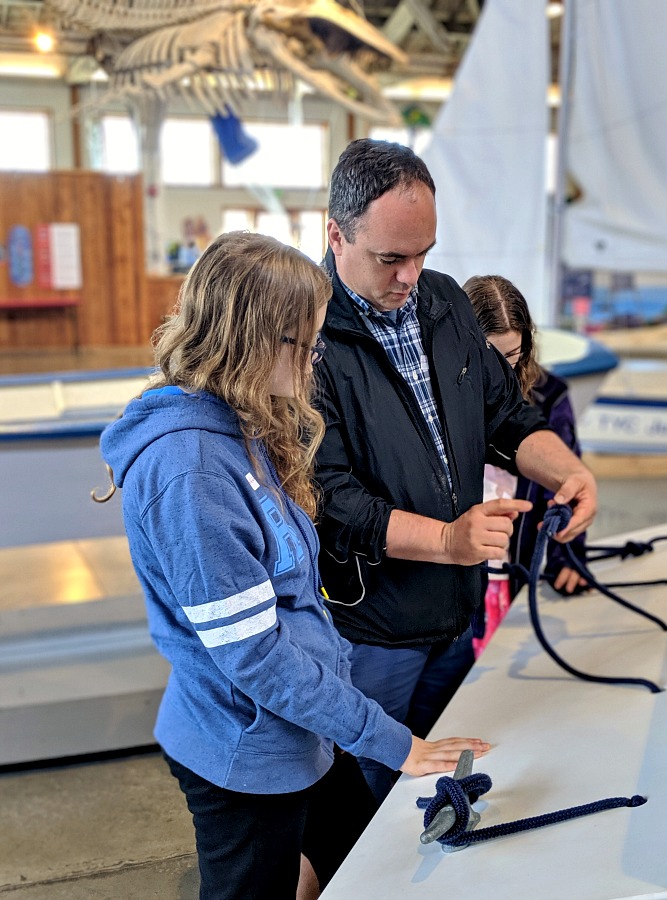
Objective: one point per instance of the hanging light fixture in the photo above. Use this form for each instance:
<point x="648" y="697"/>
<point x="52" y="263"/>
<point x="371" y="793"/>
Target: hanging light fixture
<point x="44" y="41"/>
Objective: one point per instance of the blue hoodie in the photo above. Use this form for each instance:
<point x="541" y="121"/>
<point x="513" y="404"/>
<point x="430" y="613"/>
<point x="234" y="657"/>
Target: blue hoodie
<point x="259" y="688"/>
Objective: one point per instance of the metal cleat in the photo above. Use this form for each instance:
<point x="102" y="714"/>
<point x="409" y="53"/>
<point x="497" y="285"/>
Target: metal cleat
<point x="446" y="817"/>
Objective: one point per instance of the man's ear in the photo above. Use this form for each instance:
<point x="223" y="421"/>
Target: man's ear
<point x="335" y="235"/>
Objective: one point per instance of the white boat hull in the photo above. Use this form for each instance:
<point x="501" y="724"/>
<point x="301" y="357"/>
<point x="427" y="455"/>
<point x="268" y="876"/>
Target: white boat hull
<point x="629" y="416"/>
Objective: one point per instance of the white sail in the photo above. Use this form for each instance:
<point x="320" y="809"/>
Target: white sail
<point x="488" y="154"/>
<point x="617" y="147"/>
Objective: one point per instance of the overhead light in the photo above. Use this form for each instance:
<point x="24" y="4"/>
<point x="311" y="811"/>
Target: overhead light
<point x="553" y="95"/>
<point x="44" y="41"/>
<point x="554" y="10"/>
<point x="30" y="65"/>
<point x="434" y="89"/>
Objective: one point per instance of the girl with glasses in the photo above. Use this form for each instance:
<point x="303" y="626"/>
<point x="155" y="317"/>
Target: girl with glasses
<point x="504" y="317"/>
<point x="214" y="460"/>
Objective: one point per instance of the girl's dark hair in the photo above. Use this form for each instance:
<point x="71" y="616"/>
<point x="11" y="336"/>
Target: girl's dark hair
<point x="501" y="307"/>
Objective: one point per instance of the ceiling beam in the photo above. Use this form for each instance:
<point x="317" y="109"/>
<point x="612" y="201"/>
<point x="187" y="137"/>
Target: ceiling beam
<point x="399" y="24"/>
<point x="410" y="13"/>
<point x="429" y="25"/>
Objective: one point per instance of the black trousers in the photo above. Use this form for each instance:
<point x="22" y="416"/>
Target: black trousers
<point x="249" y="845"/>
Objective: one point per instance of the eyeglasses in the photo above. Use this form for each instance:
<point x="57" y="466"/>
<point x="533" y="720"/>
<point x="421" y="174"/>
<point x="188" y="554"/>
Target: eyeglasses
<point x="518" y="354"/>
<point x="316" y="351"/>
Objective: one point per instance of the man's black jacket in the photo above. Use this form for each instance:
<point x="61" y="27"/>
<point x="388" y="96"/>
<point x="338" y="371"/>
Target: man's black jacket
<point x="378" y="455"/>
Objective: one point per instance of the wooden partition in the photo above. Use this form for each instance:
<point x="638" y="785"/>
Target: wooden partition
<point x="111" y="307"/>
<point x="162" y="294"/>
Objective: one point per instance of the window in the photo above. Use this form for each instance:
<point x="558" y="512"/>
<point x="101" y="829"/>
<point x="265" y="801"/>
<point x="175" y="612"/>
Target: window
<point x="238" y="220"/>
<point x="311" y="236"/>
<point x="299" y="228"/>
<point x="278" y="225"/>
<point x="120" y="152"/>
<point x="29" y="149"/>
<point x="288" y="156"/>
<point x="187" y="148"/>
<point x="417" y="139"/>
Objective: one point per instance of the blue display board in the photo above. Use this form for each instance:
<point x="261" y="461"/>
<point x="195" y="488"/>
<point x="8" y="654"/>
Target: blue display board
<point x="19" y="251"/>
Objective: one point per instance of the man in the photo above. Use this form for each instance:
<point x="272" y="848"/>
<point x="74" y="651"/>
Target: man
<point x="415" y="400"/>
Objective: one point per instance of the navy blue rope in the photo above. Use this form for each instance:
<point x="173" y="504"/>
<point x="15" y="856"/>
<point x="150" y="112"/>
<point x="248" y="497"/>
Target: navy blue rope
<point x="556" y="519"/>
<point x="604" y="589"/>
<point x="630" y="548"/>
<point x="451" y="792"/>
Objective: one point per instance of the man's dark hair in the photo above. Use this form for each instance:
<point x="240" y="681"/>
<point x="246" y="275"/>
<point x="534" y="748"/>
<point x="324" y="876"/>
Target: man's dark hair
<point x="366" y="170"/>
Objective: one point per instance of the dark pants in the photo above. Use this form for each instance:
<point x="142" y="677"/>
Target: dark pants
<point x="249" y="845"/>
<point x="412" y="684"/>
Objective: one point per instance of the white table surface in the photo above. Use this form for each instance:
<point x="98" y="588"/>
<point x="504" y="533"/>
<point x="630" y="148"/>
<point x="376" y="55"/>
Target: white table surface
<point x="557" y="742"/>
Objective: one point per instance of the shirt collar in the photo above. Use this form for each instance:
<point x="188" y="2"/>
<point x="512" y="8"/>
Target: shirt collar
<point x="364" y="308"/>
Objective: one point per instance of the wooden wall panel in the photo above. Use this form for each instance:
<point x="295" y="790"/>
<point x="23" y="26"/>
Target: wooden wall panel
<point x="162" y="297"/>
<point x="141" y="280"/>
<point x="122" y="251"/>
<point x="96" y="313"/>
<point x="113" y="308"/>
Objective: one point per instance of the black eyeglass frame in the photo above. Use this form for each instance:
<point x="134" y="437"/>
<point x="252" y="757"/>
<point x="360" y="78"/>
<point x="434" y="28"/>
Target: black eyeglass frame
<point x="519" y="353"/>
<point x="316" y="351"/>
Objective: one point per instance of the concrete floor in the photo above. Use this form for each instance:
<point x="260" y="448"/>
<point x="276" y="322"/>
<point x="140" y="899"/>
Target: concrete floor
<point x="119" y="828"/>
<point x="113" y="829"/>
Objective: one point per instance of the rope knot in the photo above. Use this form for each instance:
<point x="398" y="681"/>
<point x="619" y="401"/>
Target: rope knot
<point x="556" y="518"/>
<point x="460" y="795"/>
<point x="635" y="548"/>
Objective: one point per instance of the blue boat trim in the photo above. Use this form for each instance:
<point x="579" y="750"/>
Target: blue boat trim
<point x="598" y="359"/>
<point x="614" y="448"/>
<point x="53" y="430"/>
<point x="95" y="375"/>
<point x="655" y="402"/>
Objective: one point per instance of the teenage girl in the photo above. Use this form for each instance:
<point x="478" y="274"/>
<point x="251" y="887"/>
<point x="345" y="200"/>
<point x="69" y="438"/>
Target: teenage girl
<point x="503" y="314"/>
<point x="214" y="460"/>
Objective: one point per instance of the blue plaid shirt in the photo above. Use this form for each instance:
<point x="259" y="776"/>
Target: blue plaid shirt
<point x="399" y="333"/>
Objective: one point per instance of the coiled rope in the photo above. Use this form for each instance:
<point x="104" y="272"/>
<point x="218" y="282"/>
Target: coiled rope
<point x="555" y="519"/>
<point x="459" y="794"/>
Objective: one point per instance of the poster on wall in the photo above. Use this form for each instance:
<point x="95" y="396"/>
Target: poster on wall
<point x="65" y="247"/>
<point x="19" y="251"/>
<point x="43" y="256"/>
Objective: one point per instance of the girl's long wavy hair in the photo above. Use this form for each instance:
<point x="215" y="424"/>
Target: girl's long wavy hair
<point x="240" y="298"/>
<point x="501" y="307"/>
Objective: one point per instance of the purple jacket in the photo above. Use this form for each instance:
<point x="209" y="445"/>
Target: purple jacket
<point x="551" y="398"/>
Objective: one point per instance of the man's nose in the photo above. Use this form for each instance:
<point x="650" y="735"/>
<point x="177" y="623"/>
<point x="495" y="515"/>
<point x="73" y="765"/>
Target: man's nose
<point x="408" y="272"/>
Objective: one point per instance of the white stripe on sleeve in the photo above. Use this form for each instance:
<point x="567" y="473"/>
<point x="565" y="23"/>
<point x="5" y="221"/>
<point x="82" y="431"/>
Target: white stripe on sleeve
<point x="222" y="609"/>
<point x="239" y="631"/>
